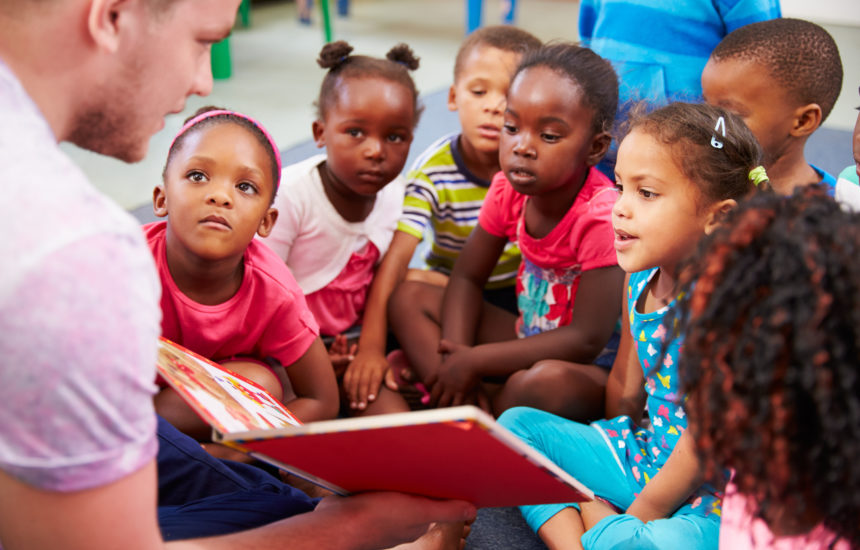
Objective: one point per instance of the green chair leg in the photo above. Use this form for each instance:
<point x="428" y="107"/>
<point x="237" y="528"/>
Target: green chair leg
<point x="222" y="65"/>
<point x="245" y="13"/>
<point x="326" y="17"/>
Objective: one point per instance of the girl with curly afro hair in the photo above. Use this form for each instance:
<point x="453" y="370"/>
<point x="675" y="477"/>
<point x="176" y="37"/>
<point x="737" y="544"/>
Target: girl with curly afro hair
<point x="770" y="365"/>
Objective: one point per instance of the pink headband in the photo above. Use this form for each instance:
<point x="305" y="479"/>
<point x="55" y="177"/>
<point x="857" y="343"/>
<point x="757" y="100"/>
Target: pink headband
<point x="210" y="114"/>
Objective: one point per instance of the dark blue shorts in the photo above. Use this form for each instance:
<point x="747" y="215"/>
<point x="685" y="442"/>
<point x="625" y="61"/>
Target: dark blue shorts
<point x="199" y="495"/>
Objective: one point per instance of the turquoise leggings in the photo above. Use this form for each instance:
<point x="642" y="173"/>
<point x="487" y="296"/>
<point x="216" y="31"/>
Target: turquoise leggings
<point x="583" y="452"/>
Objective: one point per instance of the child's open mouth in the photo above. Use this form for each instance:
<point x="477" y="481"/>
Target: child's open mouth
<point x="520" y="176"/>
<point x="623" y="240"/>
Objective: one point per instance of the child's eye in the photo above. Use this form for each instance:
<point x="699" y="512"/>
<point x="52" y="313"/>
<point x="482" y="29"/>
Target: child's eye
<point x="618" y="187"/>
<point x="550" y="138"/>
<point x="196" y="176"/>
<point x="478" y="93"/>
<point x="646" y="194"/>
<point x="510" y="128"/>
<point x="247" y="188"/>
<point x="396" y="138"/>
<point x="354" y="132"/>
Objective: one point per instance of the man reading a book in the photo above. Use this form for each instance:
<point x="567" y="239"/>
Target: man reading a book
<point x="79" y="313"/>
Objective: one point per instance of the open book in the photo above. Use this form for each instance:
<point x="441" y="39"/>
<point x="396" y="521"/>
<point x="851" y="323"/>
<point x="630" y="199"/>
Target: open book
<point x="453" y="453"/>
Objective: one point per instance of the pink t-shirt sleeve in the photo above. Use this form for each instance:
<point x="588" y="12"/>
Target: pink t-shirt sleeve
<point x="593" y="236"/>
<point x="291" y="327"/>
<point x="501" y="208"/>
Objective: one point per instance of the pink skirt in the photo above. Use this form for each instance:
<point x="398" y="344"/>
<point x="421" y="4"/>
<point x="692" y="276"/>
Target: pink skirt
<point x="340" y="304"/>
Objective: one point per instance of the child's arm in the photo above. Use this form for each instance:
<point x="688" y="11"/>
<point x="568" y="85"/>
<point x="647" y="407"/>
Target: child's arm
<point x="463" y="298"/>
<point x="672" y="485"/>
<point x="594" y="317"/>
<point x="625" y="388"/>
<point x="664" y="494"/>
<point x="365" y="372"/>
<point x="312" y="379"/>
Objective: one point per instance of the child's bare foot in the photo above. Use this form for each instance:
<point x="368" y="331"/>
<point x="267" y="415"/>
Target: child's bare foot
<point x="441" y="536"/>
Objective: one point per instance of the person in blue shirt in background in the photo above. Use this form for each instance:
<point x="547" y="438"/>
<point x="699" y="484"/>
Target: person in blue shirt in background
<point x="658" y="49"/>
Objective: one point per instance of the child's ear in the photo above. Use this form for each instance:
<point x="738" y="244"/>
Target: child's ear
<point x="718" y="213"/>
<point x="159" y="201"/>
<point x="268" y="222"/>
<point x="599" y="146"/>
<point x="807" y="119"/>
<point x="318" y="128"/>
<point x="452" y="98"/>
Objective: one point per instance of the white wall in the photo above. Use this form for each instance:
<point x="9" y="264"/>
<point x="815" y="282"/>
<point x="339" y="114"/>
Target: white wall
<point x="838" y="12"/>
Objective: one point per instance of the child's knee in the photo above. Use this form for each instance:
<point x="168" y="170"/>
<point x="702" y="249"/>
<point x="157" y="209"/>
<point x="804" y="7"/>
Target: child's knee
<point x="411" y="296"/>
<point x="543" y="376"/>
<point x="518" y="420"/>
<point x="258" y="373"/>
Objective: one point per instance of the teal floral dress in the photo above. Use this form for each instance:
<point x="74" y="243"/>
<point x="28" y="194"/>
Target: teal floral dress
<point x="643" y="451"/>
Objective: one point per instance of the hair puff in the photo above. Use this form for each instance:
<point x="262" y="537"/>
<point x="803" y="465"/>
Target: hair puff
<point x="334" y="54"/>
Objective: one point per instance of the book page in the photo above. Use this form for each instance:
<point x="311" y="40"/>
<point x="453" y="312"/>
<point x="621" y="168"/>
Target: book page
<point x="227" y="401"/>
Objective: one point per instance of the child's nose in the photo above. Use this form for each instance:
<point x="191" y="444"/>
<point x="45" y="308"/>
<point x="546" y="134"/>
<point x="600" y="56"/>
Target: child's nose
<point x="219" y="195"/>
<point x="523" y="147"/>
<point x="373" y="148"/>
<point x="495" y="103"/>
<point x="620" y="208"/>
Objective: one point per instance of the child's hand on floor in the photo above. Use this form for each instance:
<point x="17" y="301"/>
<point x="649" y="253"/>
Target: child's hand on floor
<point x="341" y="353"/>
<point x="363" y="377"/>
<point x="456" y="380"/>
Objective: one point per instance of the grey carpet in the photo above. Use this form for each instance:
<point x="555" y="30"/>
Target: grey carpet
<point x="502" y="528"/>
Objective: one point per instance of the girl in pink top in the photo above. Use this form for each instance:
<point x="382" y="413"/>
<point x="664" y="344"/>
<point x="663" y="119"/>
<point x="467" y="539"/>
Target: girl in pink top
<point x="339" y="210"/>
<point x="557" y="207"/>
<point x="225" y="295"/>
<point x="770" y="363"/>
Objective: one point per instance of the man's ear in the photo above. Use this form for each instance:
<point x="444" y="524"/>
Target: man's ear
<point x="159" y="201"/>
<point x="268" y="222"/>
<point x="105" y="19"/>
<point x="599" y="146"/>
<point x="452" y="98"/>
<point x="807" y="119"/>
<point x="718" y="213"/>
<point x="318" y="129"/>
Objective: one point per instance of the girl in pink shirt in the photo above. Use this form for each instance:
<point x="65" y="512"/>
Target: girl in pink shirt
<point x="225" y="295"/>
<point x="552" y="201"/>
<point x="770" y="363"/>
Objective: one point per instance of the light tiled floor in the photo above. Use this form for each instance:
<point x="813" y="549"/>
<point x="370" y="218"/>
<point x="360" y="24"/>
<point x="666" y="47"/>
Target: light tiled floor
<point x="276" y="79"/>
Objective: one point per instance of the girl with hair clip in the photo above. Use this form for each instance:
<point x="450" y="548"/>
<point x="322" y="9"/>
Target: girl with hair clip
<point x="225" y="295"/>
<point x="770" y="366"/>
<point x="679" y="170"/>
<point x="339" y="210"/>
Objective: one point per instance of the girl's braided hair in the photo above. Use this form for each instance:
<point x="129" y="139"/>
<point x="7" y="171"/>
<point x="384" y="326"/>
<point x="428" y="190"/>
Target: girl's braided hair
<point x="771" y="356"/>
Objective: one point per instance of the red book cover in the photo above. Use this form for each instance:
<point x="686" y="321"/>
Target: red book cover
<point x="453" y="453"/>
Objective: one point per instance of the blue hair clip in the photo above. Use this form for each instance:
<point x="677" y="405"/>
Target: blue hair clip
<point x="721" y="128"/>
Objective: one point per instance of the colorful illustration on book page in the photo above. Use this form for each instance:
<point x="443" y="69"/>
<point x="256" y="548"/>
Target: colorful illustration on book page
<point x="229" y="402"/>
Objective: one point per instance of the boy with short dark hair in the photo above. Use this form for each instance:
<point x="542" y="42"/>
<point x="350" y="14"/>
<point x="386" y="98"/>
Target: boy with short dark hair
<point x="782" y="77"/>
